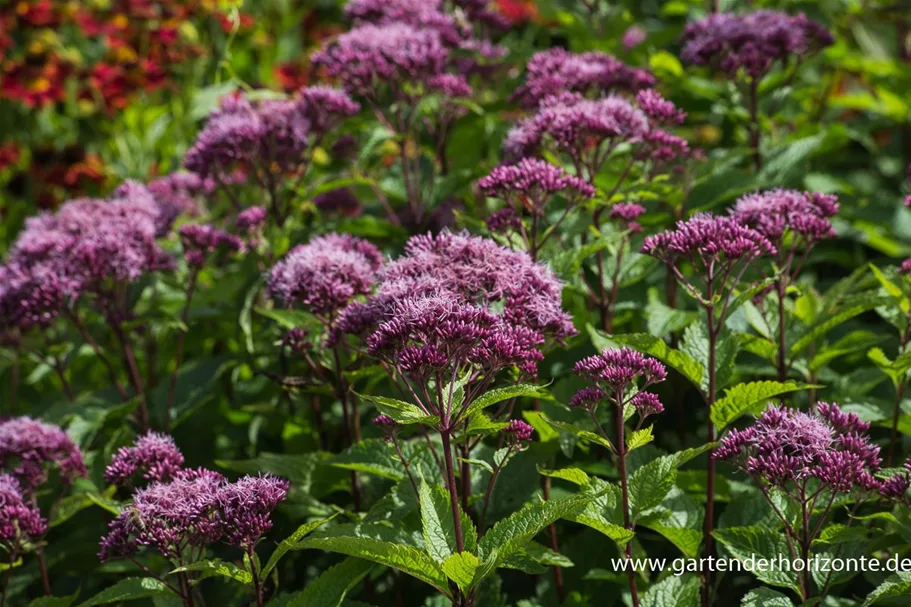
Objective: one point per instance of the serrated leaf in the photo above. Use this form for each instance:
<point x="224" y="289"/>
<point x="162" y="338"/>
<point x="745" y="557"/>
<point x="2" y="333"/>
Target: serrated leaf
<point x="764" y="597"/>
<point x="673" y="591"/>
<point x="129" y="589"/>
<point x="291" y="542"/>
<point x="892" y="289"/>
<point x="746" y="543"/>
<point x="492" y="397"/>
<point x="374" y="456"/>
<point x="54" y="601"/>
<point x="898" y="585"/>
<point x="511" y="534"/>
<point x="407" y="559"/>
<point x="585" y="435"/>
<point x="461" y="568"/>
<point x="750" y="397"/>
<point x="399" y="410"/>
<point x="438" y="544"/>
<point x="573" y="475"/>
<point x="639" y="438"/>
<point x="653" y="346"/>
<point x="650" y="484"/>
<point x="829" y="322"/>
<point x="220" y="568"/>
<point x="332" y="586"/>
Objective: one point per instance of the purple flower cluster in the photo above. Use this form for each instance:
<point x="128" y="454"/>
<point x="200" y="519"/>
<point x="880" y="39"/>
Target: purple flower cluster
<point x="752" y="42"/>
<point x="195" y="508"/>
<point x="250" y="220"/>
<point x="785" y="447"/>
<point x="29" y="449"/>
<point x="87" y="245"/>
<point x="557" y="70"/>
<point x="243" y="134"/>
<point x="154" y="456"/>
<point x="777" y="212"/>
<point x="426" y="15"/>
<point x="326" y="274"/>
<point x="708" y="239"/>
<point x="620" y="375"/>
<point x="528" y="186"/>
<point x="627" y="213"/>
<point x="202" y="241"/>
<point x="518" y="431"/>
<point x="21" y="523"/>
<point x="589" y="130"/>
<point x="454" y="300"/>
<point x="372" y="58"/>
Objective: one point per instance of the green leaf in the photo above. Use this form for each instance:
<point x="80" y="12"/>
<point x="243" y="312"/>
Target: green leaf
<point x="129" y="589"/>
<point x="650" y="484"/>
<point x="639" y="438"/>
<point x="407" y="559"/>
<point x="291" y="542"/>
<point x="511" y="534"/>
<point x="744" y="296"/>
<point x="750" y="398"/>
<point x="582" y="434"/>
<point x="830" y="321"/>
<point x="764" y="597"/>
<point x="498" y="395"/>
<point x="747" y="543"/>
<point x="461" y="568"/>
<point x="896" y="370"/>
<point x="892" y="289"/>
<point x="377" y="457"/>
<point x="664" y="320"/>
<point x="54" y="601"/>
<point x="573" y="475"/>
<point x="653" y="346"/>
<point x="217" y="567"/>
<point x="399" y="410"/>
<point x="437" y="542"/>
<point x="898" y="585"/>
<point x="673" y="591"/>
<point x="332" y="586"/>
<point x="287" y="319"/>
<point x="679" y="519"/>
<point x="855" y="341"/>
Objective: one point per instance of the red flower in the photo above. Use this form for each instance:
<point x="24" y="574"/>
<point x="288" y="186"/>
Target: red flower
<point x="518" y="11"/>
<point x="9" y="155"/>
<point x="291" y="76"/>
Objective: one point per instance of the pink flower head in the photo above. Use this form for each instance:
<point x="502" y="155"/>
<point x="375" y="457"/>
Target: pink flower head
<point x="30" y="448"/>
<point x="250" y="220"/>
<point x="370" y="58"/>
<point x="245" y="508"/>
<point x="617" y="369"/>
<point x="583" y="128"/>
<point x="326" y="274"/>
<point x="776" y="212"/>
<point x="646" y="404"/>
<point x="752" y="42"/>
<point x="420" y="14"/>
<point x="230" y="138"/>
<point x="518" y="431"/>
<point x="786" y="446"/>
<point x="708" y="238"/>
<point x="169" y="517"/>
<point x="202" y="241"/>
<point x="21" y="523"/>
<point x="557" y="70"/>
<point x="633" y="37"/>
<point x="905" y="267"/>
<point x="154" y="456"/>
<point x="326" y="107"/>
<point x="530" y="183"/>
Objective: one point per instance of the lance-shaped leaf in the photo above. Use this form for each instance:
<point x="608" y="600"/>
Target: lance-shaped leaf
<point x="438" y="528"/>
<point x="749" y="543"/>
<point x="129" y="589"/>
<point x="584" y="435"/>
<point x="461" y="568"/>
<point x="898" y="585"/>
<point x="511" y="534"/>
<point x="291" y="542"/>
<point x="673" y="591"/>
<point x="764" y="597"/>
<point x="851" y="308"/>
<point x="498" y="395"/>
<point x="750" y="397"/>
<point x="332" y="586"/>
<point x="366" y="542"/>
<point x="399" y="410"/>
<point x="220" y="568"/>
